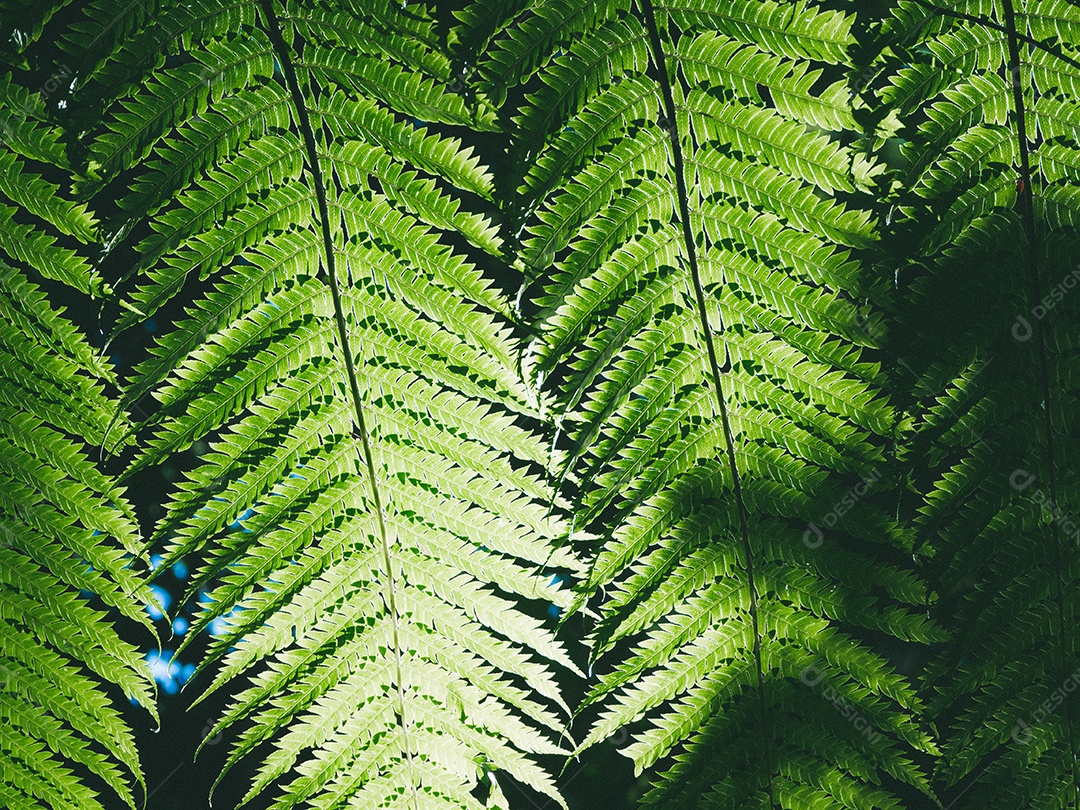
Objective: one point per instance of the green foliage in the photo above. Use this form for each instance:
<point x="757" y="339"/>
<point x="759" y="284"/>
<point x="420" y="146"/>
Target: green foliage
<point x="990" y="463"/>
<point x="753" y="320"/>
<point x="368" y="513"/>
<point x="67" y="531"/>
<point x="723" y="619"/>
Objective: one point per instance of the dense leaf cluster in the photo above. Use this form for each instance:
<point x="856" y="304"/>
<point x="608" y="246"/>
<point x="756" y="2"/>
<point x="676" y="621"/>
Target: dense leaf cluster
<point x="752" y="320"/>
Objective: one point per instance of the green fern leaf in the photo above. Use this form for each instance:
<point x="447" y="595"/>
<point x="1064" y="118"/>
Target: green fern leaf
<point x="983" y="193"/>
<point x="66" y="528"/>
<point x="370" y="516"/>
<point x="617" y="271"/>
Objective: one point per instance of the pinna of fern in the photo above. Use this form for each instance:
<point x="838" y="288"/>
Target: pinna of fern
<point x="370" y="517"/>
<point x="691" y="250"/>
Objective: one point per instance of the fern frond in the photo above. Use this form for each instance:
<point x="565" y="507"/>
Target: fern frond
<point x="717" y="594"/>
<point x="981" y="244"/>
<point x="371" y="522"/>
<point x="67" y="532"/>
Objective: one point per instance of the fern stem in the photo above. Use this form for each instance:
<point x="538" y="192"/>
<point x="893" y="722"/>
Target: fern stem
<point x="1027" y="215"/>
<point x="660" y="63"/>
<point x="312" y="162"/>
